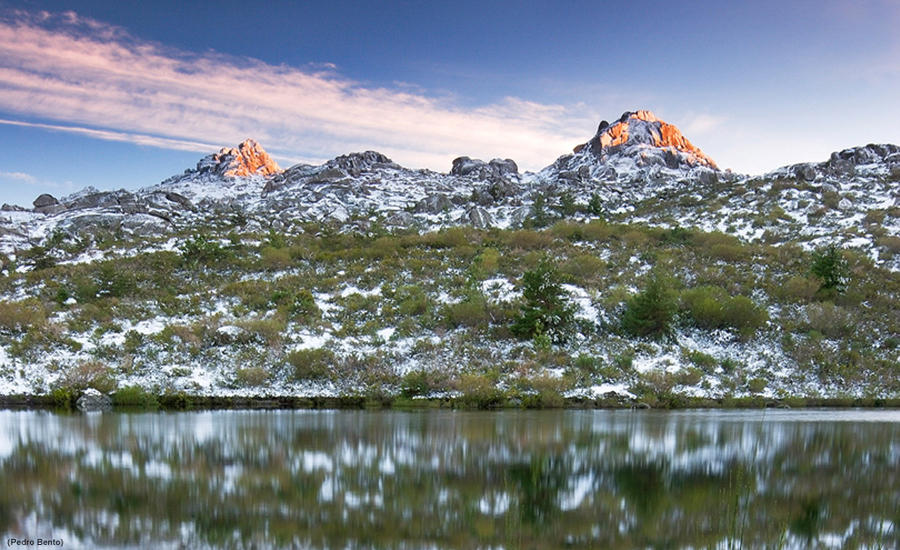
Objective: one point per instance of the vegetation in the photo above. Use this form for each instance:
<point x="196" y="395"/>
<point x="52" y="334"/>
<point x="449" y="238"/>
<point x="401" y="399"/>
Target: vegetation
<point x="312" y="309"/>
<point x="651" y="312"/>
<point x="546" y="308"/>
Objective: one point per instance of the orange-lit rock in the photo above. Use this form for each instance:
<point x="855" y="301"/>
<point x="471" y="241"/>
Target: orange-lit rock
<point x="642" y="127"/>
<point x="248" y="159"/>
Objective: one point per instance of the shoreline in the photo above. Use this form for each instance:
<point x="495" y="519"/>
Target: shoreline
<point x="184" y="402"/>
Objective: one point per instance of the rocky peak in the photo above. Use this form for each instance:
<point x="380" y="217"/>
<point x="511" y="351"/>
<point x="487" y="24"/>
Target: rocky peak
<point x="639" y="130"/>
<point x="247" y="159"/>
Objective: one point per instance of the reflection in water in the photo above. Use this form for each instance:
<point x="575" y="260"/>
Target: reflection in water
<point x="443" y="479"/>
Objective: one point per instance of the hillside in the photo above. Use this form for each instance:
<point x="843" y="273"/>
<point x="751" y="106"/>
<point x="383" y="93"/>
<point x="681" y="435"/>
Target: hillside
<point x="653" y="276"/>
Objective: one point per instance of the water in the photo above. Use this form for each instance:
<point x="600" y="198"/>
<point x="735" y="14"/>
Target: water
<point x="444" y="479"/>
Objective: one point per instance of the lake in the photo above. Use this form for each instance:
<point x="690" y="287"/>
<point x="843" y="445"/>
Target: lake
<point x="448" y="479"/>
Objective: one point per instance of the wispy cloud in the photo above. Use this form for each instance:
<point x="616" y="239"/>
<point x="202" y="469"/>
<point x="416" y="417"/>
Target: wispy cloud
<point x="18" y="176"/>
<point x="96" y="80"/>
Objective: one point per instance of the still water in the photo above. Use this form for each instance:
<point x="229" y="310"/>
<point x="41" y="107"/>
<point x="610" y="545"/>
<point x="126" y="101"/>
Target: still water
<point x="445" y="479"/>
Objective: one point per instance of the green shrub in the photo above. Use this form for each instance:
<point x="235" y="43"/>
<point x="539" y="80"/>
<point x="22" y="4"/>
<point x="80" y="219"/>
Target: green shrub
<point x="830" y="320"/>
<point x="744" y="316"/>
<point x="275" y="259"/>
<point x="412" y="300"/>
<point x="313" y="364"/>
<point x="800" y="289"/>
<point x="269" y="332"/>
<point x="831" y="267"/>
<point x="528" y="240"/>
<point x="547" y="308"/>
<point x="651" y="312"/>
<point x="711" y="308"/>
<point x="18" y="317"/>
<point x="134" y="396"/>
<point x="422" y="382"/>
<point x="201" y="249"/>
<point x="251" y="377"/>
<point x="478" y="391"/>
<point x="584" y="267"/>
<point x="703" y="361"/>
<point x="470" y="313"/>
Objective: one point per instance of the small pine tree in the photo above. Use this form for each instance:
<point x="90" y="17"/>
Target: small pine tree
<point x="652" y="311"/>
<point x="539" y="215"/>
<point x="595" y="205"/>
<point x="830" y="267"/>
<point x="547" y="310"/>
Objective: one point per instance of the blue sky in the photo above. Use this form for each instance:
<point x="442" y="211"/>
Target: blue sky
<point x="124" y="94"/>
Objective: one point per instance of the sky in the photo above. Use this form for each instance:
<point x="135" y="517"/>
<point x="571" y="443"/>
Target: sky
<point x="115" y="94"/>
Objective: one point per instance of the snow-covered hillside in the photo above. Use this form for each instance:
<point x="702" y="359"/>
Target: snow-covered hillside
<point x="233" y="277"/>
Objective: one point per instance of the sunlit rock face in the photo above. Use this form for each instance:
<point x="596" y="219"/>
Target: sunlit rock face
<point x="247" y="159"/>
<point x="640" y="129"/>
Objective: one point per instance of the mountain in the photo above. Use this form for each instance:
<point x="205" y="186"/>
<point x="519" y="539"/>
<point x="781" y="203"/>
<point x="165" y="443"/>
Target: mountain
<point x="362" y="277"/>
<point x="638" y="167"/>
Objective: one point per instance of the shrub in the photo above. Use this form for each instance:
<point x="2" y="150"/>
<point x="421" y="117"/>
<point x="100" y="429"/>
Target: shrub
<point x="275" y="259"/>
<point x="265" y="331"/>
<point x="711" y="308"/>
<point x="88" y="374"/>
<point x="412" y="300"/>
<point x="652" y="311"/>
<point x="478" y="392"/>
<point x="528" y="240"/>
<point x="18" y="317"/>
<point x="830" y="266"/>
<point x="830" y="320"/>
<point x="584" y="267"/>
<point x="201" y="249"/>
<point x="800" y="289"/>
<point x="547" y="309"/>
<point x="251" y="377"/>
<point x="744" y="316"/>
<point x="488" y="261"/>
<point x="311" y="364"/>
<point x="134" y="396"/>
<point x="471" y="312"/>
<point x="703" y="361"/>
<point x="422" y="382"/>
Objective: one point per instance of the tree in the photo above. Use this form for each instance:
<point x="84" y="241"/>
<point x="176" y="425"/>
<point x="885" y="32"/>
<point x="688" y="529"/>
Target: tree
<point x="547" y="309"/>
<point x="830" y="267"/>
<point x="651" y="312"/>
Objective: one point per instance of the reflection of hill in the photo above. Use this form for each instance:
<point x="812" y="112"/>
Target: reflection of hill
<point x="341" y="479"/>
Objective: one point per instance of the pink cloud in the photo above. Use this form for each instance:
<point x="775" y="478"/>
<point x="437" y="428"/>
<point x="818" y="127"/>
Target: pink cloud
<point x="81" y="72"/>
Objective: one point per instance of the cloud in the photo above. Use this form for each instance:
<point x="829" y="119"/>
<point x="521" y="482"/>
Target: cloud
<point x="18" y="176"/>
<point x="701" y="124"/>
<point x="96" y="80"/>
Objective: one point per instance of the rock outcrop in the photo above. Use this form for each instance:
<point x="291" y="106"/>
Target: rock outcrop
<point x="247" y="159"/>
<point x="642" y="128"/>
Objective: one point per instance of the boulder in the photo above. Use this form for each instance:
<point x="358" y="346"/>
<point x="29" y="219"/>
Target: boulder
<point x="94" y="401"/>
<point x="479" y="218"/>
<point x="805" y="172"/>
<point x="495" y="170"/>
<point x="45" y="200"/>
<point x="436" y="203"/>
<point x="402" y="219"/>
<point x="505" y="167"/>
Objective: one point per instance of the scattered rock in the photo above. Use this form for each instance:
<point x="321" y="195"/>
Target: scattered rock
<point x="94" y="401"/>
<point x="401" y="219"/>
<point x="437" y="203"/>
